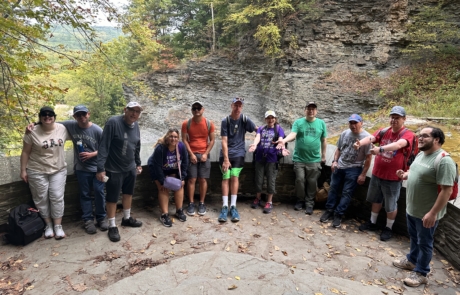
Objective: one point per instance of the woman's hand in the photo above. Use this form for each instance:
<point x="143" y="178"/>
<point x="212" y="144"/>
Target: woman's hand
<point x="24" y="176"/>
<point x="252" y="148"/>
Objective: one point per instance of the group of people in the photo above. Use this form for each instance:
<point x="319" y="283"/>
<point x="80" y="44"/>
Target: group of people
<point x="110" y="158"/>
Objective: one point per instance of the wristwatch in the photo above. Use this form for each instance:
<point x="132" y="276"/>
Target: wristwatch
<point x="381" y="149"/>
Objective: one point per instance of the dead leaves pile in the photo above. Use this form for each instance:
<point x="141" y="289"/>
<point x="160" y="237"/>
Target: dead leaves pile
<point x="142" y="264"/>
<point x="13" y="263"/>
<point x="14" y="288"/>
<point x="108" y="256"/>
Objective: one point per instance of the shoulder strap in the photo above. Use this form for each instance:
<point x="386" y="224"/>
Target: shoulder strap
<point x="277" y="129"/>
<point x="178" y="160"/>
<point x="438" y="159"/>
<point x="228" y="126"/>
<point x="189" y="122"/>
<point x="208" y="124"/>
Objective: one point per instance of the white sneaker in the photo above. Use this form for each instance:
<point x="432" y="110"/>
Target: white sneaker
<point x="49" y="233"/>
<point x="59" y="232"/>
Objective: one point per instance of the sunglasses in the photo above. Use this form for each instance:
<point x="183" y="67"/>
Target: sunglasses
<point x="81" y="114"/>
<point x="238" y="99"/>
<point x="47" y="114"/>
<point x="196" y="108"/>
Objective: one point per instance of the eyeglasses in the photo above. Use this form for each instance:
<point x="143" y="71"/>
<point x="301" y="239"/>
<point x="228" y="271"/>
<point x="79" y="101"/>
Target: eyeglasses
<point x="196" y="109"/>
<point x="424" y="136"/>
<point x="47" y="114"/>
<point x="81" y="114"/>
<point x="134" y="111"/>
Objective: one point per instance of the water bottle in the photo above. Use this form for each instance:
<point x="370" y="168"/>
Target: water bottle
<point x="80" y="146"/>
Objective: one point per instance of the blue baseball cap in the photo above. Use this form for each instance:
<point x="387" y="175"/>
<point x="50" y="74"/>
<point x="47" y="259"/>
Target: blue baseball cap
<point x="80" y="108"/>
<point x="238" y="99"/>
<point x="355" y="118"/>
<point x="398" y="110"/>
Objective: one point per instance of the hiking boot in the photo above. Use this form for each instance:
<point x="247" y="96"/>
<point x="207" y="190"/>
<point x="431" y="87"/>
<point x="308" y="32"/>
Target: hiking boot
<point x="49" y="232"/>
<point x="415" y="279"/>
<point x="404" y="264"/>
<point x="131" y="222"/>
<point x="234" y="216"/>
<point x="223" y="214"/>
<point x="180" y="215"/>
<point x="191" y="209"/>
<point x="386" y="234"/>
<point x="114" y="236"/>
<point x="103" y="224"/>
<point x="164" y="218"/>
<point x="337" y="220"/>
<point x="309" y="211"/>
<point x="58" y="232"/>
<point x="201" y="209"/>
<point x="299" y="205"/>
<point x="268" y="208"/>
<point x="90" y="228"/>
<point x="255" y="204"/>
<point x="326" y="215"/>
<point x="368" y="225"/>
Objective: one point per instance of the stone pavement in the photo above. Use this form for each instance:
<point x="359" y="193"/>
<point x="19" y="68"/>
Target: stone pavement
<point x="286" y="252"/>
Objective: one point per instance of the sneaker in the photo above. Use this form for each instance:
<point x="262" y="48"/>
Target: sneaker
<point x="404" y="264"/>
<point x="49" y="232"/>
<point x="255" y="204"/>
<point x="132" y="222"/>
<point x="114" y="236"/>
<point x="415" y="279"/>
<point x="191" y="209"/>
<point x="103" y="224"/>
<point x="201" y="209"/>
<point x="268" y="208"/>
<point x="368" y="225"/>
<point x="309" y="211"/>
<point x="90" y="228"/>
<point x="223" y="214"/>
<point x="59" y="233"/>
<point x="386" y="234"/>
<point x="337" y="220"/>
<point x="326" y="215"/>
<point x="235" y="217"/>
<point x="180" y="215"/>
<point x="299" y="205"/>
<point x="164" y="218"/>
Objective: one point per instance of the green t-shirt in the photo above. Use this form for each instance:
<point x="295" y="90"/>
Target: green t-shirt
<point x="308" y="140"/>
<point x="422" y="183"/>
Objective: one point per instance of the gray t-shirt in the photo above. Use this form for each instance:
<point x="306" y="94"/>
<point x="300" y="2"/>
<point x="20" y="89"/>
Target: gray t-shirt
<point x="349" y="157"/>
<point x="236" y="135"/>
<point x="90" y="137"/>
<point x="120" y="146"/>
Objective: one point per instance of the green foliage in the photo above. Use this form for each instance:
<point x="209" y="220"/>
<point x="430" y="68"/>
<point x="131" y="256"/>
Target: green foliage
<point x="432" y="32"/>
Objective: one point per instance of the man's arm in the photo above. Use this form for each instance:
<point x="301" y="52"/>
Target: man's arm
<point x="226" y="164"/>
<point x="253" y="146"/>
<point x="323" y="149"/>
<point x="212" y="140"/>
<point x="394" y="146"/>
<point x="429" y="219"/>
<point x="335" y="161"/>
<point x="282" y="141"/>
<point x="367" y="164"/>
<point x="185" y="137"/>
<point x="364" y="141"/>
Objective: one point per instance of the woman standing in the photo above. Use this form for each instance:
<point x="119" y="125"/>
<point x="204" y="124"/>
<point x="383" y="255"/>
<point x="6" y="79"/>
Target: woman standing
<point x="169" y="159"/>
<point x="266" y="158"/>
<point x="44" y="168"/>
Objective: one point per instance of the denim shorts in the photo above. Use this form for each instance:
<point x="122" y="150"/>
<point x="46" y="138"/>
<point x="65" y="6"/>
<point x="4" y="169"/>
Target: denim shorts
<point x="386" y="191"/>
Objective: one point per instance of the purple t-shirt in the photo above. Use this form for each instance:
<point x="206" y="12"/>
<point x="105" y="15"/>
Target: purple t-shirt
<point x="170" y="164"/>
<point x="266" y="148"/>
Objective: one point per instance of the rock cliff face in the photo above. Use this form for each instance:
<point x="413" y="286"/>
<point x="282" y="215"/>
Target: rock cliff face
<point x="336" y="64"/>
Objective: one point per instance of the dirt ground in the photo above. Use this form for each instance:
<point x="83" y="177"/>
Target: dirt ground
<point x="83" y="262"/>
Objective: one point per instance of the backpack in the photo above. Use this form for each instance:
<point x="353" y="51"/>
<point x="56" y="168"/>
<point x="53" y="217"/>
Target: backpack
<point x="409" y="156"/>
<point x="25" y="225"/>
<point x="437" y="162"/>
<point x="189" y="122"/>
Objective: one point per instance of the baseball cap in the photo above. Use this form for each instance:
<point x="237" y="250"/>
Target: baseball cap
<point x="355" y="118"/>
<point x="398" y="110"/>
<point x="311" y="103"/>
<point x="270" y="113"/>
<point x="45" y="110"/>
<point x="80" y="108"/>
<point x="133" y="104"/>
<point x="197" y="102"/>
<point x="238" y="99"/>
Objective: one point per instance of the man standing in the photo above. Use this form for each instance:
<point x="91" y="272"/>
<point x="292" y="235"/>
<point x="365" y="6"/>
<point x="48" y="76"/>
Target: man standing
<point x="347" y="169"/>
<point x="233" y="129"/>
<point x="425" y="206"/>
<point x="119" y="160"/>
<point x="198" y="137"/>
<point x="310" y="151"/>
<point x="395" y="145"/>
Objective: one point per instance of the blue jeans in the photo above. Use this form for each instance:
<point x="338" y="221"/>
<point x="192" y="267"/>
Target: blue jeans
<point x="421" y="244"/>
<point x="349" y="177"/>
<point x="86" y="180"/>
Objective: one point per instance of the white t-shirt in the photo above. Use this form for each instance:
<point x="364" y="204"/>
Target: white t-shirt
<point x="47" y="154"/>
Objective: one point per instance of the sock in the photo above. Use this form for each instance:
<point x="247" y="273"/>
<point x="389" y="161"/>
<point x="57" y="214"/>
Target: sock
<point x="126" y="213"/>
<point x="233" y="202"/>
<point x="390" y="223"/>
<point x="374" y="217"/>
<point x="50" y="225"/>
<point x="225" y="201"/>
<point x="112" y="222"/>
<point x="269" y="202"/>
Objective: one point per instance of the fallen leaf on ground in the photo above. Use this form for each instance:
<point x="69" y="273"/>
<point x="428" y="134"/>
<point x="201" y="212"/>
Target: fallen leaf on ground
<point x="232" y="287"/>
<point x="285" y="253"/>
<point x="445" y="262"/>
<point x="184" y="271"/>
<point x="277" y="248"/>
<point x="333" y="290"/>
<point x="215" y="241"/>
<point x="359" y="250"/>
<point x="173" y="242"/>
<point x="154" y="235"/>
<point x="35" y="265"/>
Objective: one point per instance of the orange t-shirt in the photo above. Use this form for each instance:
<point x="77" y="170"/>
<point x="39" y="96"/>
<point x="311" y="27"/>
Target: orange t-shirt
<point x="198" y="135"/>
